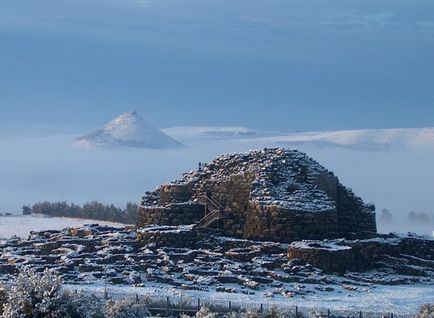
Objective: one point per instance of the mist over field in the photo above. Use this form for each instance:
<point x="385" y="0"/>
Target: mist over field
<point x="50" y="168"/>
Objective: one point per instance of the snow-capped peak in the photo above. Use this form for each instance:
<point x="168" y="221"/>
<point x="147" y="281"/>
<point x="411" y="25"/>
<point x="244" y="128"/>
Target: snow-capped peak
<point x="128" y="130"/>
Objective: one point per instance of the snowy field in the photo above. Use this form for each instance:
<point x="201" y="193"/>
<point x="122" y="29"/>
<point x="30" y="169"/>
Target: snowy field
<point x="22" y="225"/>
<point x="381" y="299"/>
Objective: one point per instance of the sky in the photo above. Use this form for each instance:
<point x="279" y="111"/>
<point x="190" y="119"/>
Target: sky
<point x="288" y="65"/>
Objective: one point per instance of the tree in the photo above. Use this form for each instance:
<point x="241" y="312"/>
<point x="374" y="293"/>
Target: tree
<point x="27" y="210"/>
<point x="91" y="210"/>
<point x="131" y="212"/>
<point x="419" y="217"/>
<point x="386" y="216"/>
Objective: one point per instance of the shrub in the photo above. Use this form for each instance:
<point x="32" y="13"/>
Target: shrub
<point x="425" y="311"/>
<point x="80" y="305"/>
<point x="251" y="314"/>
<point x="125" y="308"/>
<point x="35" y="295"/>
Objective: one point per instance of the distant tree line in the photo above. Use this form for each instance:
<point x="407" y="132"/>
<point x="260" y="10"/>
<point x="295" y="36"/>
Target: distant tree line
<point x="420" y="217"/>
<point x="386" y="217"/>
<point x="91" y="210"/>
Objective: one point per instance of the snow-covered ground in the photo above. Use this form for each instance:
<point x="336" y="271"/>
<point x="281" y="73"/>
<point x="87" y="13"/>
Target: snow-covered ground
<point x="22" y="225"/>
<point x="402" y="299"/>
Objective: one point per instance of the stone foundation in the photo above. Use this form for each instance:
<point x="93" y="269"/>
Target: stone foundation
<point x="173" y="236"/>
<point x="278" y="224"/>
<point x="340" y="256"/>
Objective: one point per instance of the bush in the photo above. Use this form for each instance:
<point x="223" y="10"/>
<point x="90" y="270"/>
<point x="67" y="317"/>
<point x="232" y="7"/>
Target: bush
<point x="125" y="308"/>
<point x="35" y="295"/>
<point x="425" y="311"/>
<point x="80" y="305"/>
<point x="39" y="295"/>
<point x="251" y="314"/>
<point x="204" y="312"/>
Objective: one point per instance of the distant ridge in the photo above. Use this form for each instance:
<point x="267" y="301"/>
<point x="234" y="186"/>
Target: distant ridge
<point x="219" y="132"/>
<point x="361" y="139"/>
<point x="366" y="139"/>
<point x="128" y="130"/>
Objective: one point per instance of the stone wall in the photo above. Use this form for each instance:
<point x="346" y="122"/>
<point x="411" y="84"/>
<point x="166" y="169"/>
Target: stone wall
<point x="350" y="218"/>
<point x="173" y="236"/>
<point x="233" y="224"/>
<point x="271" y="194"/>
<point x="339" y="256"/>
<point x="232" y="193"/>
<point x="250" y="219"/>
<point x="172" y="214"/>
<point x="278" y="224"/>
<point x="174" y="193"/>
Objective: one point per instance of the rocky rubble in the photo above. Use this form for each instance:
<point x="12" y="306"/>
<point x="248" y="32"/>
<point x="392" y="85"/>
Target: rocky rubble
<point x="194" y="258"/>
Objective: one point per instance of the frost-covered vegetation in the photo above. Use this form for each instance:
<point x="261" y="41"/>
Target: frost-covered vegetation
<point x="273" y="312"/>
<point x="425" y="311"/>
<point x="40" y="295"/>
<point x="90" y="210"/>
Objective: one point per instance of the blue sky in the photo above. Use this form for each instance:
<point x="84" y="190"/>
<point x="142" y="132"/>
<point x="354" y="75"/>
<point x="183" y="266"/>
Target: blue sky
<point x="283" y="65"/>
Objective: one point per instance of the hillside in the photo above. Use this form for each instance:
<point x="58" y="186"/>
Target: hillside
<point x="128" y="130"/>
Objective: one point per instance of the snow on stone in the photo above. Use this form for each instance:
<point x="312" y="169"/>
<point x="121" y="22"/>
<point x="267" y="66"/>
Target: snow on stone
<point x="166" y="228"/>
<point x="128" y="130"/>
<point x="291" y="171"/>
<point x="330" y="246"/>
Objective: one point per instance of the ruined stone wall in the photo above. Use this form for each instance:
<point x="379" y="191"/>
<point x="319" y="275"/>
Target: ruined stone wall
<point x="172" y="214"/>
<point x="232" y="193"/>
<point x="161" y="236"/>
<point x="249" y="219"/>
<point x="351" y="218"/>
<point x="173" y="193"/>
<point x="278" y="224"/>
<point x="328" y="183"/>
<point x="233" y="224"/>
<point x="339" y="256"/>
